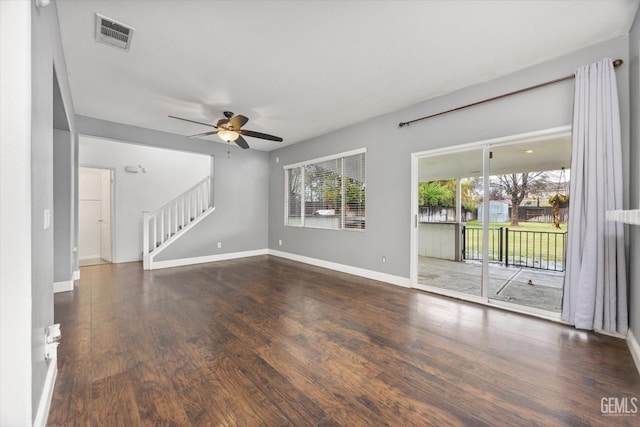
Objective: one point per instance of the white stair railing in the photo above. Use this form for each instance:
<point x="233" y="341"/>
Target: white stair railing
<point x="164" y="225"/>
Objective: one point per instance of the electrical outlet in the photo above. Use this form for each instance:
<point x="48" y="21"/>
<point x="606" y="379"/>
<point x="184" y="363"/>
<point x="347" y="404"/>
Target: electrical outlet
<point x="279" y="242"/>
<point x="219" y="245"/>
<point x="384" y="259"/>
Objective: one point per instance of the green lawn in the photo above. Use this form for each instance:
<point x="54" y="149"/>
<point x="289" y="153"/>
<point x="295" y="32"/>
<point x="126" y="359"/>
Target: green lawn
<point x="535" y="244"/>
<point x="524" y="226"/>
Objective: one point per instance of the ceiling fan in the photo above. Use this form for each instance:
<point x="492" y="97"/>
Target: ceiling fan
<point x="230" y="130"/>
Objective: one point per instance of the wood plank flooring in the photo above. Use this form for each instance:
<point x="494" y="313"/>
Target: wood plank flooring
<point x="265" y="341"/>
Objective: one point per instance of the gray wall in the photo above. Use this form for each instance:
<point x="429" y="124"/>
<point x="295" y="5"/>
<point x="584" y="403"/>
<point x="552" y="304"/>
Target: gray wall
<point x="389" y="161"/>
<point x="168" y="173"/>
<point x="41" y="196"/>
<point x="241" y="217"/>
<point x="46" y="52"/>
<point x="62" y="206"/>
<point x="634" y="187"/>
<point x="240" y="190"/>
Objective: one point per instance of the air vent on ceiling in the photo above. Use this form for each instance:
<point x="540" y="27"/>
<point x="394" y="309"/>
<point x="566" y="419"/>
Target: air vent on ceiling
<point x="113" y="32"/>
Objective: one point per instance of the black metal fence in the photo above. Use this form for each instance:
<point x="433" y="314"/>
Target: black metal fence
<point x="543" y="250"/>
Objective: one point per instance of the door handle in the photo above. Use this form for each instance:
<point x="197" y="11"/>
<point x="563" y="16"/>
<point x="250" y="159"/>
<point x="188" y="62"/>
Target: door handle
<point x="100" y="220"/>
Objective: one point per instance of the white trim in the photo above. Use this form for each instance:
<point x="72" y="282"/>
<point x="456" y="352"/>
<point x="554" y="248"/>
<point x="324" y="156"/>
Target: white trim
<point x="413" y="221"/>
<point x="634" y="348"/>
<point x="63" y="286"/>
<point x="301" y="166"/>
<point x="452" y="294"/>
<point x="356" y="271"/>
<point x="485" y="145"/>
<point x="203" y="259"/>
<point x="529" y="311"/>
<point x="325" y="158"/>
<point x="76" y="275"/>
<point x="179" y="234"/>
<point x="47" y="394"/>
<point x="16" y="359"/>
<point x="631" y="216"/>
<point x="82" y="258"/>
<point x="130" y="258"/>
<point x="608" y="333"/>
<point x="112" y="205"/>
<point x="492" y="303"/>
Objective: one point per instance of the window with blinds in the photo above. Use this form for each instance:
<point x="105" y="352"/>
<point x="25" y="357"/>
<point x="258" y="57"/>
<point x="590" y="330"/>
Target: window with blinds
<point x="327" y="192"/>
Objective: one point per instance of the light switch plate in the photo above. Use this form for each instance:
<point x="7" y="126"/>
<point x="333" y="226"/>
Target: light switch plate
<point x="47" y="219"/>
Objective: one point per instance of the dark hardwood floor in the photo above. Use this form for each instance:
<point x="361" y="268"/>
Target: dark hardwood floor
<point x="265" y="341"/>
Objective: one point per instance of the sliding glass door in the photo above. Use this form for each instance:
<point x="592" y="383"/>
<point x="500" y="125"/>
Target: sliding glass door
<point x="488" y="226"/>
<point x="527" y="266"/>
<point x="449" y="239"/>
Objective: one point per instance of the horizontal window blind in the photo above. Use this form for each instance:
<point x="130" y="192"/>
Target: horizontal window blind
<point x="327" y="193"/>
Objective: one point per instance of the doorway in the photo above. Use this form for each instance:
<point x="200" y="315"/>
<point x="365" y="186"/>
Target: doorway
<point x="508" y="251"/>
<point x="95" y="216"/>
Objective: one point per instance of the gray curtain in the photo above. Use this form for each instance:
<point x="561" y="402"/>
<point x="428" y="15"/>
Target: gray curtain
<point x="595" y="285"/>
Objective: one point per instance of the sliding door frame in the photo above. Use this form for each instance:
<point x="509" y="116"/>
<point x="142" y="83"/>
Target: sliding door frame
<point x="485" y="146"/>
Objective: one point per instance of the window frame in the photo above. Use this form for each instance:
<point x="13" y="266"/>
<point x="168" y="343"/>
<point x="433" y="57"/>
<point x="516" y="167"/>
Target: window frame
<point x="301" y="166"/>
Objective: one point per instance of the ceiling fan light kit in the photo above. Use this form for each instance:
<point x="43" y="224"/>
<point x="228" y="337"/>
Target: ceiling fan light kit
<point x="230" y="130"/>
<point x="228" y="135"/>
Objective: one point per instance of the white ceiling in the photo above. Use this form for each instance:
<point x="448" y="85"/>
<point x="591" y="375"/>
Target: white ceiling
<point x="300" y="69"/>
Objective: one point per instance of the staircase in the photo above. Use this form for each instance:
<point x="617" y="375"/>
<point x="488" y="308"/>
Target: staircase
<point x="164" y="226"/>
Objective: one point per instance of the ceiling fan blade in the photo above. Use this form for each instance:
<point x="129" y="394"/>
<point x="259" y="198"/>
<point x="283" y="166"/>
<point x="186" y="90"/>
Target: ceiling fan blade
<point x="260" y="135"/>
<point x="238" y="121"/>
<point x="242" y="142"/>
<point x="203" y="134"/>
<point x="222" y="122"/>
<point x="193" y="121"/>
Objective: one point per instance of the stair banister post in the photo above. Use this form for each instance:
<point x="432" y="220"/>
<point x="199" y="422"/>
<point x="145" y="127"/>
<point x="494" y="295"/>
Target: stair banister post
<point x="183" y="213"/>
<point x="162" y="226"/>
<point x="203" y="190"/>
<point x="211" y="199"/>
<point x="145" y="240"/>
<point x="199" y="199"/>
<point x="155" y="231"/>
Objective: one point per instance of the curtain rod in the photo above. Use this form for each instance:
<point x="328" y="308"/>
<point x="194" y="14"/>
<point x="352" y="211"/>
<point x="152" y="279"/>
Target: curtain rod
<point x="616" y="64"/>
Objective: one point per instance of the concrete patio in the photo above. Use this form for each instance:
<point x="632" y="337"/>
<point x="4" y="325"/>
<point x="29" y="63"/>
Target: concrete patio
<point x="525" y="286"/>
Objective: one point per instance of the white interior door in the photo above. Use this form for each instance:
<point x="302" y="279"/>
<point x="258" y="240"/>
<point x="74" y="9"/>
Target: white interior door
<point x="89" y="229"/>
<point x="105" y="215"/>
<point x="95" y="215"/>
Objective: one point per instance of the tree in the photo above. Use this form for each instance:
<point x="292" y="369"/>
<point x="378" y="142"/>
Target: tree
<point x="434" y="193"/>
<point x="470" y="194"/>
<point x="518" y="185"/>
<point x="354" y="192"/>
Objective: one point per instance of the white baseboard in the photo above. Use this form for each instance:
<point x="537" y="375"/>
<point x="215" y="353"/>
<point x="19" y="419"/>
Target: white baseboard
<point x="82" y="258"/>
<point x="130" y="258"/>
<point x="47" y="393"/>
<point x="76" y="275"/>
<point x="64" y="286"/>
<point x="634" y="348"/>
<point x="202" y="259"/>
<point x="369" y="274"/>
<point x="405" y="282"/>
